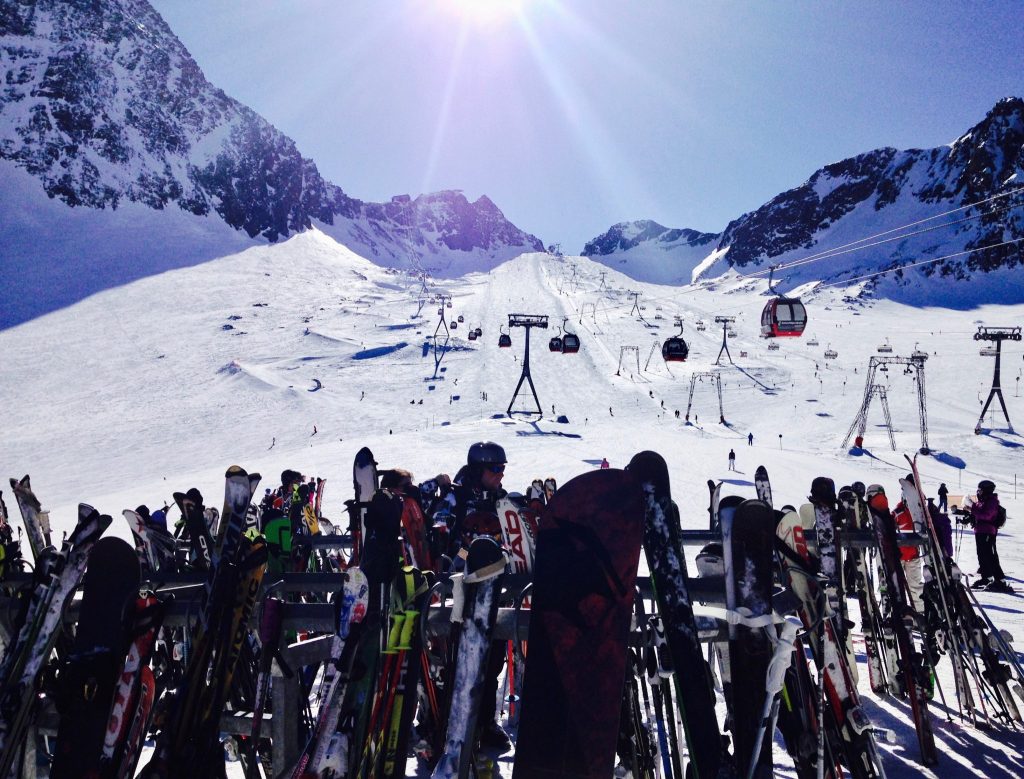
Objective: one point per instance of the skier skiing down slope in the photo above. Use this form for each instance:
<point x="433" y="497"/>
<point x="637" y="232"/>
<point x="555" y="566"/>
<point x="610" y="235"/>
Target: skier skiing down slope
<point x="984" y="512"/>
<point x="476" y="489"/>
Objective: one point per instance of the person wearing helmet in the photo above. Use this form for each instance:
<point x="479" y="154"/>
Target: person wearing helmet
<point x="984" y="512"/>
<point x="471" y="512"/>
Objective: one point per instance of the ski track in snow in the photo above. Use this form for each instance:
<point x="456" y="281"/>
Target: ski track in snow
<point x="139" y="391"/>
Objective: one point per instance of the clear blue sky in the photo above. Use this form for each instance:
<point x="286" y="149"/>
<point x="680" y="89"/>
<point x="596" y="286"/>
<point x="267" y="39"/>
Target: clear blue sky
<point x="572" y="115"/>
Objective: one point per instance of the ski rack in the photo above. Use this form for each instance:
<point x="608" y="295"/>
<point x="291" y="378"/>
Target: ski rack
<point x="997" y="335"/>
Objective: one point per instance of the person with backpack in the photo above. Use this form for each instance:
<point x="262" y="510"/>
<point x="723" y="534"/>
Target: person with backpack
<point x="988" y="516"/>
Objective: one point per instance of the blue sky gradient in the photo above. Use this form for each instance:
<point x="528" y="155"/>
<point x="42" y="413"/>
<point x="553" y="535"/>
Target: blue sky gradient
<point x="572" y="115"/>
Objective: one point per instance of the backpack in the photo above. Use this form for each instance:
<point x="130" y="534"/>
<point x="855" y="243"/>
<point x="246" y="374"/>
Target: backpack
<point x="1000" y="519"/>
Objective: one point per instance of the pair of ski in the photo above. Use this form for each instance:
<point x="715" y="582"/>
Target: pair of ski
<point x="189" y="738"/>
<point x="57" y="574"/>
<point x="843" y="729"/>
<point x="964" y="631"/>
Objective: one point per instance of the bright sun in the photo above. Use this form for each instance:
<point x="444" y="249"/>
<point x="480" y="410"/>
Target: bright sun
<point x="486" y="11"/>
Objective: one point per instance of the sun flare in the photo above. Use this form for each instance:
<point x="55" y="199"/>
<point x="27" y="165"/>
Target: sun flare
<point x="486" y="11"/>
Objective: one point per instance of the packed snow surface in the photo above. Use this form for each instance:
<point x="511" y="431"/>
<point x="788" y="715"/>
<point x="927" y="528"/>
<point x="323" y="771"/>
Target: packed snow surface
<point x="161" y="384"/>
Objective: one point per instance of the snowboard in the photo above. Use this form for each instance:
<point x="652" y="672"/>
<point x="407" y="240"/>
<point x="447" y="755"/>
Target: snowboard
<point x="588" y="551"/>
<point x="87" y="678"/>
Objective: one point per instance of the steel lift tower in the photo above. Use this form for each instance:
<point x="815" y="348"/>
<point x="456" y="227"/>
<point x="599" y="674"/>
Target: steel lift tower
<point x="724" y="321"/>
<point x="912" y="365"/>
<point x="527" y="321"/>
<point x="998" y="335"/>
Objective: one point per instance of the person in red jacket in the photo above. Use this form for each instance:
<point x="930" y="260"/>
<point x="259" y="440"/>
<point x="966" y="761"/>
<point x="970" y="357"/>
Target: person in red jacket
<point x="910" y="558"/>
<point x="983" y="516"/>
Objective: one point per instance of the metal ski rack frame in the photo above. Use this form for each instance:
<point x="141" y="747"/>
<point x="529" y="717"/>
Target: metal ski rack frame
<point x="998" y="335"/>
<point x="915" y="365"/>
<point x="724" y="321"/>
<point x="714" y="378"/>
<point x="527" y="321"/>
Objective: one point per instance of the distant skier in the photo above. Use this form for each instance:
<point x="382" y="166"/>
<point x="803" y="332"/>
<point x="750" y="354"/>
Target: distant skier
<point x="604" y="463"/>
<point x="732" y="460"/>
<point x="943" y="497"/>
<point x="273" y="440"/>
<point x="314" y="430"/>
<point x="750" y="439"/>
<point x="610" y="411"/>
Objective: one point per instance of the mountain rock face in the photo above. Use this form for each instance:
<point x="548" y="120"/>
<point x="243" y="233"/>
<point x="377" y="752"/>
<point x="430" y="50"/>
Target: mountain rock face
<point x="858" y="201"/>
<point x="653" y="253"/>
<point x="104" y="107"/>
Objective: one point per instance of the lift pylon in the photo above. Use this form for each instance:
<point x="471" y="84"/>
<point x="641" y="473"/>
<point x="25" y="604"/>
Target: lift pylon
<point x="915" y="366"/>
<point x="527" y="321"/>
<point x="998" y="335"/>
<point x="716" y="380"/>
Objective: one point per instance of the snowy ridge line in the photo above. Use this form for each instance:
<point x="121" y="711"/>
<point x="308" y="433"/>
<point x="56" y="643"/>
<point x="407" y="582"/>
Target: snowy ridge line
<point x="836" y="250"/>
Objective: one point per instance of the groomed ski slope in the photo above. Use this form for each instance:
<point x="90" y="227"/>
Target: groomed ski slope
<point x="161" y="384"/>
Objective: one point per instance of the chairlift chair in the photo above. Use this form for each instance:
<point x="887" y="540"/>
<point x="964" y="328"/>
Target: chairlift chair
<point x="701" y="327"/>
<point x="918" y="354"/>
<point x="813" y="342"/>
<point x="773" y="346"/>
<point x="782" y="317"/>
<point x="830" y="353"/>
<point x="885" y="348"/>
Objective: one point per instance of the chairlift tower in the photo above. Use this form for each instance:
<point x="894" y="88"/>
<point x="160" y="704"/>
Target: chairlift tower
<point x="527" y="321"/>
<point x="716" y="380"/>
<point x="623" y="351"/>
<point x="724" y="321"/>
<point x="442" y="349"/>
<point x="996" y="335"/>
<point x="636" y="304"/>
<point x="914" y="365"/>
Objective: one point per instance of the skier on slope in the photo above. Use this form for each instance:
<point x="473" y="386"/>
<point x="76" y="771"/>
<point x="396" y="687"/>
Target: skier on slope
<point x="732" y="460"/>
<point x="943" y="497"/>
<point x="984" y="513"/>
<point x="476" y="489"/>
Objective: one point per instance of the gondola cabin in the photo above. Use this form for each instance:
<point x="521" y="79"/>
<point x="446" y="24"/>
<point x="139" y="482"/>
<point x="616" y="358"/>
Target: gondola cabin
<point x="472" y="335"/>
<point x="570" y="343"/>
<point x="478" y="332"/>
<point x="555" y="344"/>
<point x="453" y="325"/>
<point x="505" y="341"/>
<point x="783" y="317"/>
<point x="461" y="318"/>
<point x="675" y="350"/>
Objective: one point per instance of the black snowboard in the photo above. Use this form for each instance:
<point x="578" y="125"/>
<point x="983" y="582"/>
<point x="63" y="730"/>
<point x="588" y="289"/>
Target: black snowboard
<point x="87" y="679"/>
<point x="694" y="686"/>
<point x="588" y="550"/>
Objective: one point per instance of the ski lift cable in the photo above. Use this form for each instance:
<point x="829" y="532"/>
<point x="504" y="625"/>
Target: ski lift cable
<point x="860" y="244"/>
<point x="846" y="282"/>
<point x="898" y="229"/>
<point x="840" y="250"/>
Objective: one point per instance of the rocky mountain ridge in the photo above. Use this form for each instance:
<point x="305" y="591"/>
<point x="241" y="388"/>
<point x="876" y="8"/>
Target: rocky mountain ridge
<point x="870" y="194"/>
